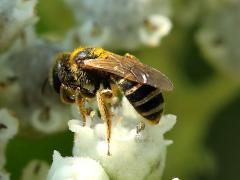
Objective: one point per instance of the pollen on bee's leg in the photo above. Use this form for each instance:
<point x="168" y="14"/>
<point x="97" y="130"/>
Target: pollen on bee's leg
<point x="83" y="114"/>
<point x="80" y="101"/>
<point x="108" y="121"/>
<point x="109" y="130"/>
<point x="105" y="114"/>
<point x="107" y="93"/>
<point x="109" y="151"/>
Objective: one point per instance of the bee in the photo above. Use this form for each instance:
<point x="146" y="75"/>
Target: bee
<point x="89" y="72"/>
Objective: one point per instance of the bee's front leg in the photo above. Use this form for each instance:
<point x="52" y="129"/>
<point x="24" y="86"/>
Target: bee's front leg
<point x="102" y="98"/>
<point x="80" y="101"/>
<point x="65" y="94"/>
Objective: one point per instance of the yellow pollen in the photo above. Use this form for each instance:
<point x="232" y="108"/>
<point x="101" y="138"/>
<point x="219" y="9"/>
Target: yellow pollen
<point x="100" y="52"/>
<point x="74" y="67"/>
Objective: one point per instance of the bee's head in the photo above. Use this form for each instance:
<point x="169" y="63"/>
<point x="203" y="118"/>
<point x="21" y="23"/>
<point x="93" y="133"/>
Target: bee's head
<point x="79" y="55"/>
<point x="58" y="72"/>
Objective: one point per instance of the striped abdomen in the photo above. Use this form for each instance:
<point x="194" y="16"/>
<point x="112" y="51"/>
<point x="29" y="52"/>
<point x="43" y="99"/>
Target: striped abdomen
<point x="147" y="100"/>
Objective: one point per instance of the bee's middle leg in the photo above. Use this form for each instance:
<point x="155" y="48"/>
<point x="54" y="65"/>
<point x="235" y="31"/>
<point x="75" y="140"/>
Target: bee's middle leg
<point x="102" y="98"/>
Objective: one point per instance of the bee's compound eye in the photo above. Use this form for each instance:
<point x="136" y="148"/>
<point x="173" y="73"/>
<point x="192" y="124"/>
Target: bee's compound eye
<point x="56" y="83"/>
<point x="81" y="56"/>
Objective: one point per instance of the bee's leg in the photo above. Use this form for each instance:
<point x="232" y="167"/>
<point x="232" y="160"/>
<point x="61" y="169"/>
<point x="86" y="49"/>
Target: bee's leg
<point x="102" y="97"/>
<point x="115" y="91"/>
<point x="65" y="95"/>
<point x="80" y="101"/>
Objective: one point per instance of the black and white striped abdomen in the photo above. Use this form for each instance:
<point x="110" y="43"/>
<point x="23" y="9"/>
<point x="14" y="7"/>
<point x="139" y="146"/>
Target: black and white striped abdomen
<point x="147" y="100"/>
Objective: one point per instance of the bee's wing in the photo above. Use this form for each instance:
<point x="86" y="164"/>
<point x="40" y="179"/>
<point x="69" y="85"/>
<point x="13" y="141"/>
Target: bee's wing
<point x="132" y="69"/>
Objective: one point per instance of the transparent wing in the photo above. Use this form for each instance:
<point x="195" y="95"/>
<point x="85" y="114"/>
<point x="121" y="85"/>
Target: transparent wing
<point x="130" y="68"/>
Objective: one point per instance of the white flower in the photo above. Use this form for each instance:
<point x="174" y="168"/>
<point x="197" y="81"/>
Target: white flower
<point x="9" y="87"/>
<point x="49" y="120"/>
<point x="218" y="37"/>
<point x="91" y="33"/>
<point x="8" y="125"/>
<point x="75" y="168"/>
<point x="133" y="156"/>
<point x="116" y="23"/>
<point x="15" y="16"/>
<point x="8" y="129"/>
<point x="35" y="170"/>
<point x="23" y="75"/>
<point x="155" y="27"/>
<point x="4" y="175"/>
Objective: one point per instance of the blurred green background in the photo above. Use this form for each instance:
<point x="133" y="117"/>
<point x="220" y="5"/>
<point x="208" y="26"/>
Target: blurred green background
<point x="206" y="100"/>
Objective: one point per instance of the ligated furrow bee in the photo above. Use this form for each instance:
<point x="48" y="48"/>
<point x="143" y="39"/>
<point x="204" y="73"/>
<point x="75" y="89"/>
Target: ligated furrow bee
<point x="89" y="72"/>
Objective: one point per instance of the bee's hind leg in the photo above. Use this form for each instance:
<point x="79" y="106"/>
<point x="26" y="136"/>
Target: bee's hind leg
<point x="102" y="98"/>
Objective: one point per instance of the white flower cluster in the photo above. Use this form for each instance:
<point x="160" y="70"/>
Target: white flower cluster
<point x="24" y="68"/>
<point x="15" y="17"/>
<point x="75" y="168"/>
<point x="119" y="24"/>
<point x="218" y="37"/>
<point x="8" y="129"/>
<point x="133" y="156"/>
<point x="24" y="89"/>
